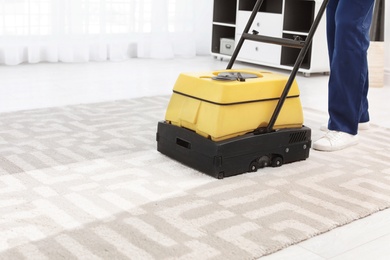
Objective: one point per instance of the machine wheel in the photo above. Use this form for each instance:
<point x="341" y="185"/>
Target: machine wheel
<point x="263" y="161"/>
<point x="277" y="161"/>
<point x="253" y="166"/>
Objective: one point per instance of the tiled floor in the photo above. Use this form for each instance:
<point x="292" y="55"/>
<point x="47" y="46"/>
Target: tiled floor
<point x="46" y="85"/>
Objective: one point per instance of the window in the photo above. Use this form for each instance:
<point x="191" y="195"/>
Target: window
<point x="25" y="17"/>
<point x="43" y="17"/>
<point x="82" y="30"/>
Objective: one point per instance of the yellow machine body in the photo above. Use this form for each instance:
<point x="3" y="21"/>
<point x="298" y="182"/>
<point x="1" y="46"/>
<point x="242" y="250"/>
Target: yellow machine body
<point x="220" y="110"/>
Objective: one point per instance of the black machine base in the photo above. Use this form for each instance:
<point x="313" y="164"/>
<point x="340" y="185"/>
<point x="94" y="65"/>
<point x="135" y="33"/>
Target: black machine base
<point x="234" y="156"/>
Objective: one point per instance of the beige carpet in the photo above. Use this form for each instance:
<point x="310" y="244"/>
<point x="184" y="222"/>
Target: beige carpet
<point x="86" y="182"/>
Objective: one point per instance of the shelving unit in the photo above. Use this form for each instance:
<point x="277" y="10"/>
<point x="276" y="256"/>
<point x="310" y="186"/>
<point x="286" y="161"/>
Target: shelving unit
<point x="277" y="18"/>
<point x="224" y="23"/>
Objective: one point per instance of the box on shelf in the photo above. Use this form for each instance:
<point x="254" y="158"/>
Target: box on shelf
<point x="227" y="46"/>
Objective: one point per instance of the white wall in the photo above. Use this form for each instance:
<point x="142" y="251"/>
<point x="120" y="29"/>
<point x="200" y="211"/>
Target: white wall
<point x="203" y="26"/>
<point x="387" y="44"/>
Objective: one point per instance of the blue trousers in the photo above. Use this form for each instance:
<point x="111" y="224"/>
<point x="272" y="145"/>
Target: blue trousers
<point x="348" y="26"/>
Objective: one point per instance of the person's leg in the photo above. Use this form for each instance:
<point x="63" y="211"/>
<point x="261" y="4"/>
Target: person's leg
<point x="348" y="27"/>
<point x="364" y="115"/>
<point x="348" y="82"/>
<point x="331" y="26"/>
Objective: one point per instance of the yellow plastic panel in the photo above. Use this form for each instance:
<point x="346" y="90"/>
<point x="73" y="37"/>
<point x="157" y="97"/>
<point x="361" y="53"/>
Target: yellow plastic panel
<point x="224" y="109"/>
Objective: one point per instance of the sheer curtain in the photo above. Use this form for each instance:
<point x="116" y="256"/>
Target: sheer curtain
<point x="96" y="30"/>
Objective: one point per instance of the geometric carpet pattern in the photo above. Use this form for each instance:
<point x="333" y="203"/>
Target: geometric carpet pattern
<point x="86" y="182"/>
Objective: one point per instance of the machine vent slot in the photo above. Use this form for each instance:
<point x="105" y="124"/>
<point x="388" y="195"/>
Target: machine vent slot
<point x="298" y="137"/>
<point x="183" y="143"/>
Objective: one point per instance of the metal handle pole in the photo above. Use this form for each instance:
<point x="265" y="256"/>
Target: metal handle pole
<point x="297" y="64"/>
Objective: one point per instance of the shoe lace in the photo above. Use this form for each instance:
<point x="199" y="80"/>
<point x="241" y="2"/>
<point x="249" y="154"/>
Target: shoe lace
<point x="333" y="135"/>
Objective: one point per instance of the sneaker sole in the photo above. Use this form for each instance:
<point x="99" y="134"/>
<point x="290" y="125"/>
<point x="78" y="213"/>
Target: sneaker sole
<point x="333" y="149"/>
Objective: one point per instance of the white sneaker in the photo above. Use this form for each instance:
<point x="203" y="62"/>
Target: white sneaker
<point x="335" y="140"/>
<point x="361" y="126"/>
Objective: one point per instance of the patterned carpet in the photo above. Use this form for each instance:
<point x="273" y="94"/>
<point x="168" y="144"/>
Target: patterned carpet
<point x="86" y="182"/>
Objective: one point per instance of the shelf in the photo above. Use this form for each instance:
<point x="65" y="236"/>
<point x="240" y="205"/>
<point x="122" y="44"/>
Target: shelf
<point x="289" y="19"/>
<point x="295" y="22"/>
<point x="290" y="55"/>
<point x="296" y="32"/>
<point x="225" y="11"/>
<point x="225" y="24"/>
<point x="218" y="33"/>
<point x="268" y="6"/>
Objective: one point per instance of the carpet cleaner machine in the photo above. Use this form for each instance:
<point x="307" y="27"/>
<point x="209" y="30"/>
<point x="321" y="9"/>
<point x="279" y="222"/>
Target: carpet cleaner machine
<point x="229" y="122"/>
